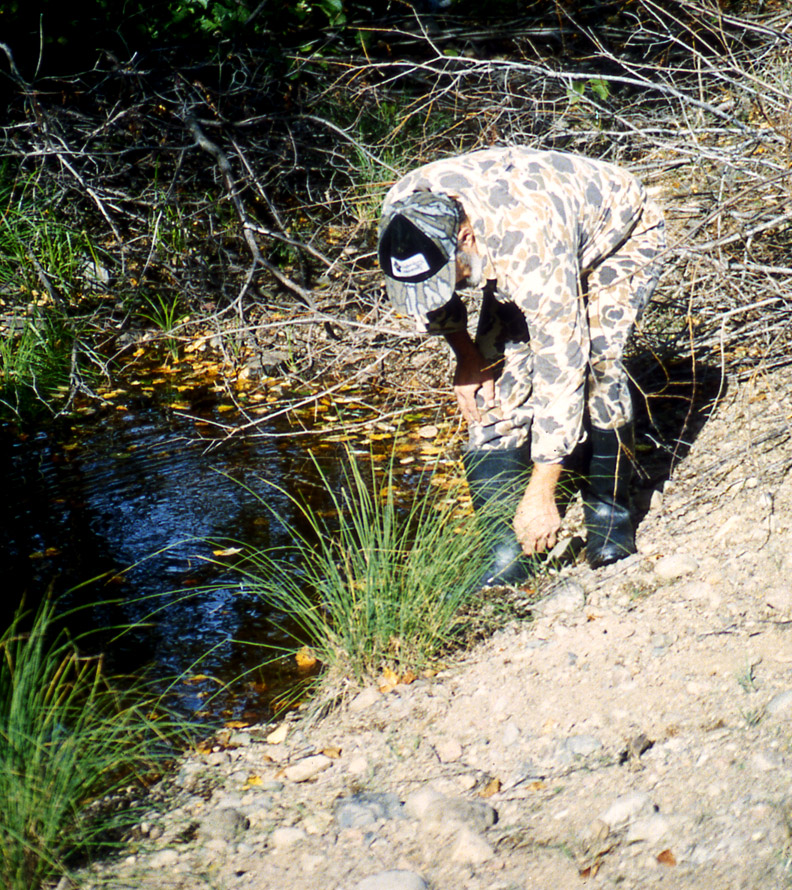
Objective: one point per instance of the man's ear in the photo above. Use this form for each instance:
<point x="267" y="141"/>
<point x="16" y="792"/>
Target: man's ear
<point x="466" y="239"/>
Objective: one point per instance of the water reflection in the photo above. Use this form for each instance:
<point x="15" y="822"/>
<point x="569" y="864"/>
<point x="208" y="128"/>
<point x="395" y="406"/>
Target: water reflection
<point x="134" y="496"/>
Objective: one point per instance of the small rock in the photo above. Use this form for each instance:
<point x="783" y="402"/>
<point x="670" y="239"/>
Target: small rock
<point x="564" y="597"/>
<point x="448" y="750"/>
<point x="164" y="859"/>
<point x="417" y="802"/>
<point x="582" y="745"/>
<point x="626" y="808"/>
<point x="358" y="765"/>
<point x="780" y="704"/>
<point x="278" y="736"/>
<point x="649" y="829"/>
<point x="224" y="824"/>
<point x="475" y="814"/>
<point x="286" y="836"/>
<point x="397" y="879"/>
<point x="307" y="768"/>
<point x="676" y="566"/>
<point x="365" y="699"/>
<point x="471" y="848"/>
<point x="511" y="734"/>
<point x="366" y="808"/>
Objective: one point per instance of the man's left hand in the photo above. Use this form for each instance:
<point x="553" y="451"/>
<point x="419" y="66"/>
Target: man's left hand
<point x="537" y="520"/>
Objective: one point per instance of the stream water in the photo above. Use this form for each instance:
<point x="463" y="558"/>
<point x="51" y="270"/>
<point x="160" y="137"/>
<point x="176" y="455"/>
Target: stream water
<point x="130" y="494"/>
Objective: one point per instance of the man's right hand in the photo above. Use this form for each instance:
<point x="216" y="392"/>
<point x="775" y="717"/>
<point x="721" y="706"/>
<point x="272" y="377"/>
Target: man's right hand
<point x="472" y="376"/>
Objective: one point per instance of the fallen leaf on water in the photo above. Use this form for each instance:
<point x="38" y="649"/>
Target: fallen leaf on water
<point x="230" y="551"/>
<point x="306" y="659"/>
<point x="236" y="724"/>
<point x="666" y="857"/>
<point x="199" y="678"/>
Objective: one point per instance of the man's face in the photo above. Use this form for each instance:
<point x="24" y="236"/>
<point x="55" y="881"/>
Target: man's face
<point x="470" y="267"/>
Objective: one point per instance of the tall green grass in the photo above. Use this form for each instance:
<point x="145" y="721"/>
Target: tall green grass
<point x="68" y="741"/>
<point x="378" y="581"/>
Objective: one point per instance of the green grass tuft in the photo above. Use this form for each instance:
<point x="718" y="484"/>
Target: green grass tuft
<point x="69" y="742"/>
<point x="379" y="583"/>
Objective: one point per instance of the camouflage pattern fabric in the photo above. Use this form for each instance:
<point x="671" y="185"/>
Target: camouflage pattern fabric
<point x="571" y="252"/>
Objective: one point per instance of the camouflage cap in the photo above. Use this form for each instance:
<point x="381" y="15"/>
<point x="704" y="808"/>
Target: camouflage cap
<point x="417" y="251"/>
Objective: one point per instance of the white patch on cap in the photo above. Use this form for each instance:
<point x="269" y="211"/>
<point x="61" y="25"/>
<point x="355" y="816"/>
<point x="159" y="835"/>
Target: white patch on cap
<point x="407" y="268"/>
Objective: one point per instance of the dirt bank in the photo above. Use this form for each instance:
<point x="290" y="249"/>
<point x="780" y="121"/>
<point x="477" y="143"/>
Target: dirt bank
<point x="634" y="734"/>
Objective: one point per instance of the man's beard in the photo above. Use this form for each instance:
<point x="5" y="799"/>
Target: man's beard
<point x="475" y="263"/>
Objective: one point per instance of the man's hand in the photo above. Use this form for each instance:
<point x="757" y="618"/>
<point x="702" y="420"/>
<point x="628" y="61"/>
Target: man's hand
<point x="471" y="377"/>
<point x="537" y="520"/>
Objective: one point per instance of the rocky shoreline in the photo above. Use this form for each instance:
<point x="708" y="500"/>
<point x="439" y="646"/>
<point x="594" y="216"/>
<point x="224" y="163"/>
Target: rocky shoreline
<point x="636" y="733"/>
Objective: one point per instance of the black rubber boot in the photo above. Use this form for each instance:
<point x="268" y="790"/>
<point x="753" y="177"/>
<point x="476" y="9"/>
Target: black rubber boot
<point x="497" y="481"/>
<point x="606" y="496"/>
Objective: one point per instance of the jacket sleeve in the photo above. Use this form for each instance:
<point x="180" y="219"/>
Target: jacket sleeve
<point x="448" y="319"/>
<point x="547" y="291"/>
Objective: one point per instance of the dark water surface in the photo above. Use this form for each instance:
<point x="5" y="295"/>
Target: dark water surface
<point x="124" y="494"/>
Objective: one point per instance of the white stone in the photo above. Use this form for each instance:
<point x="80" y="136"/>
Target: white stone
<point x="511" y="734"/>
<point x="307" y="768"/>
<point x="626" y="808"/>
<point x="448" y="750"/>
<point x="285" y="837"/>
<point x="358" y="765"/>
<point x="417" y="802"/>
<point x="676" y="566"/>
<point x="649" y="828"/>
<point x="365" y="699"/>
<point x="471" y="848"/>
<point x="164" y="859"/>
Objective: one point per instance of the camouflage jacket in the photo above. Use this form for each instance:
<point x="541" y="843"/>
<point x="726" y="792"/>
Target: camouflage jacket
<point x="541" y="220"/>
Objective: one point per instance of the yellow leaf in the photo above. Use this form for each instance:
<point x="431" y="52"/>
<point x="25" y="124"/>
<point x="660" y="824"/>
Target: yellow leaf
<point x="200" y="678"/>
<point x="236" y="724"/>
<point x="306" y="659"/>
<point x="253" y="782"/>
<point x="390" y="676"/>
<point x="229" y="551"/>
<point x="492" y="787"/>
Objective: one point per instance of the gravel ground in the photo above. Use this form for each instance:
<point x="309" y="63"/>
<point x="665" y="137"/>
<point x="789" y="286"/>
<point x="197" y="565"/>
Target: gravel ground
<point x="637" y="733"/>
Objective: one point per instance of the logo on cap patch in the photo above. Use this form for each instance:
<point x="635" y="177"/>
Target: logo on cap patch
<point x="409" y="267"/>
